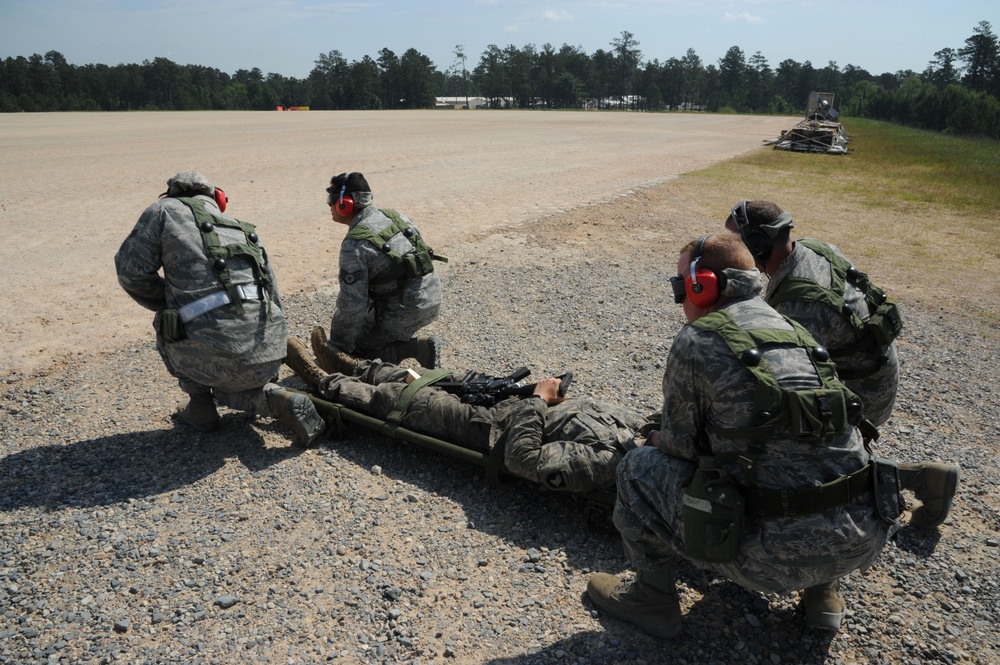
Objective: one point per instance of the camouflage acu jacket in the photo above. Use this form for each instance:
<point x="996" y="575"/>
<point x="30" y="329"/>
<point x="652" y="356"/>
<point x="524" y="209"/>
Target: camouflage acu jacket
<point x="166" y="236"/>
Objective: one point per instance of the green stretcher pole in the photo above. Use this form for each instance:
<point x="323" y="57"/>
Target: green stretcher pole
<point x="343" y="413"/>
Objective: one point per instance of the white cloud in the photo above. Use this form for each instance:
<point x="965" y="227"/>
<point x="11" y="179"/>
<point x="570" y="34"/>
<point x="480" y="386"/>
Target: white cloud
<point x="551" y="15"/>
<point x="742" y="17"/>
<point x="512" y="28"/>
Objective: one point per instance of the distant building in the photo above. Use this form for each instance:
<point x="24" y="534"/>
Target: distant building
<point x="458" y="102"/>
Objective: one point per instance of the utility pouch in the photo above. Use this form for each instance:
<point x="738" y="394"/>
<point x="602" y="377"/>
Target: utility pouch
<point x="418" y="263"/>
<point x="817" y="412"/>
<point x="713" y="515"/>
<point x="171" y="326"/>
<point x="885" y="324"/>
<point x="886" y="490"/>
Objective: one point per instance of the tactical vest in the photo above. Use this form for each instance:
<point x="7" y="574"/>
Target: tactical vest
<point x="822" y="413"/>
<point x="413" y="264"/>
<point x="872" y="335"/>
<point x="219" y="254"/>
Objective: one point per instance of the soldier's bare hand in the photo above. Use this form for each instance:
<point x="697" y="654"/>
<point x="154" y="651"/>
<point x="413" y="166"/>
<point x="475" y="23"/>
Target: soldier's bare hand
<point x="548" y="389"/>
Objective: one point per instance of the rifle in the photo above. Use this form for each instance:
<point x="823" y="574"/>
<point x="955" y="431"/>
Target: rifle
<point x="486" y="390"/>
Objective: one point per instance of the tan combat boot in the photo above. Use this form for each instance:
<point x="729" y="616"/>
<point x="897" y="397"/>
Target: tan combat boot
<point x="425" y="349"/>
<point x="824" y="606"/>
<point x="200" y="413"/>
<point x="933" y="484"/>
<point x="298" y="412"/>
<point x="330" y="358"/>
<point x="299" y="360"/>
<point x="649" y="602"/>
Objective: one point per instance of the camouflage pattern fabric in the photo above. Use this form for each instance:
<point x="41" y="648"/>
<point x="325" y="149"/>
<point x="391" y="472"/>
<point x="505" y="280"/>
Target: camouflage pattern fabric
<point x="572" y="446"/>
<point x="370" y="317"/>
<point x="705" y="384"/>
<point x="878" y="390"/>
<point x="229" y="353"/>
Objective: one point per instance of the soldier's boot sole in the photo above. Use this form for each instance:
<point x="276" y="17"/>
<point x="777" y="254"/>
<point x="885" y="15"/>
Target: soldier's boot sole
<point x="934" y="484"/>
<point x="299" y="413"/>
<point x="656" y="612"/>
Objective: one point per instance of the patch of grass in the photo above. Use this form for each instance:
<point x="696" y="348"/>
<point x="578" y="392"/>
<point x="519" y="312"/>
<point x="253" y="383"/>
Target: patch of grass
<point x="894" y="167"/>
<point x="910" y="206"/>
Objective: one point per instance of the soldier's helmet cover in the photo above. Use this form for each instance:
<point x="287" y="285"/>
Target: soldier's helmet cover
<point x="187" y="182"/>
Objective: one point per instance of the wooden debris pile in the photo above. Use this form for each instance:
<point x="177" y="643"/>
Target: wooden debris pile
<point x="819" y="132"/>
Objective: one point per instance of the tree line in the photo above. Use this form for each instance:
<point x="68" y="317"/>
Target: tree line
<point x="957" y="91"/>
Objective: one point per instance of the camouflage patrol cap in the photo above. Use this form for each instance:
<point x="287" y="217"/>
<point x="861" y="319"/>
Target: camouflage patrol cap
<point x="187" y="182"/>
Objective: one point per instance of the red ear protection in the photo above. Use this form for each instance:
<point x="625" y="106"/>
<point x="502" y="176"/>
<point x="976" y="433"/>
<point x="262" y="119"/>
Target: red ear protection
<point x="704" y="285"/>
<point x="221" y="199"/>
<point x="345" y="204"/>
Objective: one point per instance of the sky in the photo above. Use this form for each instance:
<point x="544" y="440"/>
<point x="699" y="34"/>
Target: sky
<point x="287" y="36"/>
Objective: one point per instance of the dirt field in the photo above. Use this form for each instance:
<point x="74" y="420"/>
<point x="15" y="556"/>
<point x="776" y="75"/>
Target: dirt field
<point x="72" y="186"/>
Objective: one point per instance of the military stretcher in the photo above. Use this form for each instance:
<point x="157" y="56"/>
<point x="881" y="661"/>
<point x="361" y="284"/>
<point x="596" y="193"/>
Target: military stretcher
<point x="598" y="502"/>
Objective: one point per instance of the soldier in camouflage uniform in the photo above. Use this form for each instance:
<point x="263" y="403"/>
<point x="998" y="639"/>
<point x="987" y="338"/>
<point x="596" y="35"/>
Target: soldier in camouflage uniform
<point x="713" y="409"/>
<point x="220" y="328"/>
<point x="386" y="292"/>
<point x="803" y="286"/>
<point x="571" y="445"/>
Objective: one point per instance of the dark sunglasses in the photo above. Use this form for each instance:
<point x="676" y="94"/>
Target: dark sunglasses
<point x="739" y="213"/>
<point x="680" y="291"/>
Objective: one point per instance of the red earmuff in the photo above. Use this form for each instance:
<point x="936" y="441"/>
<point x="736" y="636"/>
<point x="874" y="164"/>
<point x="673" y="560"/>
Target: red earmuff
<point x="703" y="285"/>
<point x="704" y="289"/>
<point x="221" y="199"/>
<point x="345" y="205"/>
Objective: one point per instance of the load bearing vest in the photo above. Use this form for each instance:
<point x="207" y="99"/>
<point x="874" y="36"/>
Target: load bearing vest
<point x="823" y="412"/>
<point x="415" y="263"/>
<point x="873" y="334"/>
<point x="219" y="253"/>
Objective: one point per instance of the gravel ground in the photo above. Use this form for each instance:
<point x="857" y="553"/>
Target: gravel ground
<point x="126" y="539"/>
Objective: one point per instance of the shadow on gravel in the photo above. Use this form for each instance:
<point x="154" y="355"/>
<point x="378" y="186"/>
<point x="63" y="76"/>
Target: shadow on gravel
<point x="918" y="542"/>
<point x="715" y="631"/>
<point x="119" y="467"/>
<point x="518" y="511"/>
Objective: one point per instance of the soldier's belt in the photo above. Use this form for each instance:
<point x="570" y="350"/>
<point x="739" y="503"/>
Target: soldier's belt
<point x="216" y="300"/>
<point x="761" y="503"/>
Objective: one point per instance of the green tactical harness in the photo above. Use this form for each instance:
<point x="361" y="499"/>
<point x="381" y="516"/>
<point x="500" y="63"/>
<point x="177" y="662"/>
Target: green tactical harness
<point x="822" y="412"/>
<point x="219" y="254"/>
<point x="884" y="323"/>
<point x="413" y="264"/>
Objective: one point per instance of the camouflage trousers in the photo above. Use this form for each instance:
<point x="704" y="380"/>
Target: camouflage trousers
<point x="233" y="385"/>
<point x="382" y="328"/>
<point x="375" y="390"/>
<point x="780" y="556"/>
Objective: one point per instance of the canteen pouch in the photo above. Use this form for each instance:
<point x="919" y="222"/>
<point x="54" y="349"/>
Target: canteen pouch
<point x="885" y="324"/>
<point x="886" y="490"/>
<point x="171" y="326"/>
<point x="712" y="514"/>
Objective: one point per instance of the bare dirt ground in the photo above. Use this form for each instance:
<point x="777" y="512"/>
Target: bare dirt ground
<point x="72" y="186"/>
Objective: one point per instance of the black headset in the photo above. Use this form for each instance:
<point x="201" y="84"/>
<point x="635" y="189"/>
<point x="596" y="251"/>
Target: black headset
<point x="757" y="241"/>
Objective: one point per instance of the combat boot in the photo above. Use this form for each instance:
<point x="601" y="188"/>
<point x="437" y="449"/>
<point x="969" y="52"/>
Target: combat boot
<point x="330" y="358"/>
<point x="933" y="484"/>
<point x="200" y="413"/>
<point x="298" y="412"/>
<point x="425" y="349"/>
<point x="299" y="360"/>
<point x="824" y="606"/>
<point x="649" y="602"/>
